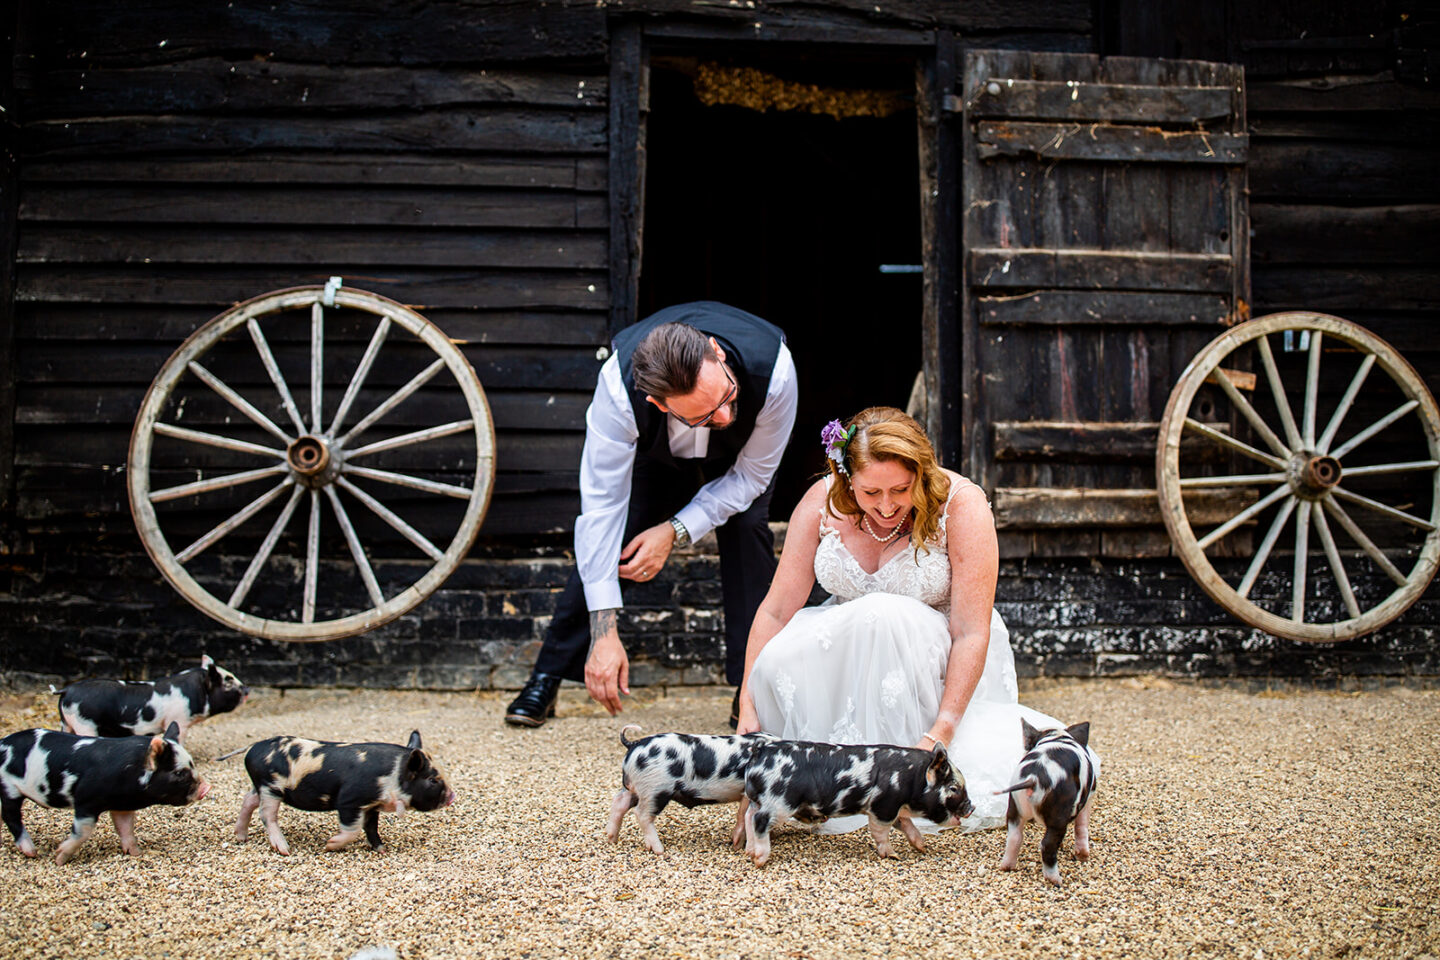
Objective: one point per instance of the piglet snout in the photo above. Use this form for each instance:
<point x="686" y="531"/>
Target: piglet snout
<point x="202" y="790"/>
<point x="450" y="798"/>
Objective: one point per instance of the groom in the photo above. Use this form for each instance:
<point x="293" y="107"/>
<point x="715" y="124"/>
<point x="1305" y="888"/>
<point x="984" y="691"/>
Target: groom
<point x="689" y="420"/>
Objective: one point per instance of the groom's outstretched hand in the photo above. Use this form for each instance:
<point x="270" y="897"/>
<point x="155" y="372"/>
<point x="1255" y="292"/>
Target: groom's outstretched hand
<point x="607" y="672"/>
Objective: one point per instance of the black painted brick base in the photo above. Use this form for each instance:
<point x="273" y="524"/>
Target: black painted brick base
<point x="74" y="608"/>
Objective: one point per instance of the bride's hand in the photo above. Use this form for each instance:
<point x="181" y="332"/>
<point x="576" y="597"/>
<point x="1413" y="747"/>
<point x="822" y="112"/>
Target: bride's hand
<point x="749" y="722"/>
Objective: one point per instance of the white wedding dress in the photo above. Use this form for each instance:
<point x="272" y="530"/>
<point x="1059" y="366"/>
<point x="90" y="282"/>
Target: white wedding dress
<point x="868" y="666"/>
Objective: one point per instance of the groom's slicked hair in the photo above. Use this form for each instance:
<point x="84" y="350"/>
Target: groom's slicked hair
<point x="889" y="434"/>
<point x="667" y="362"/>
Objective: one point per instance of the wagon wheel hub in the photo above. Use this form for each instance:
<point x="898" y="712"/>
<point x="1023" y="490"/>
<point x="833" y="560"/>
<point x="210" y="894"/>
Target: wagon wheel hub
<point x="309" y="456"/>
<point x="1312" y="475"/>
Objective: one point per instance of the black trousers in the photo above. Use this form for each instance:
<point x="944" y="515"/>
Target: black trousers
<point x="747" y="565"/>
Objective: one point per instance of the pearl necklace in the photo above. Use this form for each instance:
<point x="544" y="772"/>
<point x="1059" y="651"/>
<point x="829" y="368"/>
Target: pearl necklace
<point x="865" y="525"/>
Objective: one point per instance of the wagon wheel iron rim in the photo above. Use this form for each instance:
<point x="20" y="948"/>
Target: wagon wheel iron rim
<point x="308" y="454"/>
<point x="1305" y="462"/>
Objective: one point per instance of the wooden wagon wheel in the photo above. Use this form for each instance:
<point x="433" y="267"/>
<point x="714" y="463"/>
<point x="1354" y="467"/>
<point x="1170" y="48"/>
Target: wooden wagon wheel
<point x="314" y="457"/>
<point x="1365" y="460"/>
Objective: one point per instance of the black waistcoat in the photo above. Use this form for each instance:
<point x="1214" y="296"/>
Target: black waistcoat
<point x="751" y="348"/>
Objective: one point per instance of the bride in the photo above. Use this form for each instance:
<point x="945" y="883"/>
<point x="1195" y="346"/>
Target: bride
<point x="908" y="649"/>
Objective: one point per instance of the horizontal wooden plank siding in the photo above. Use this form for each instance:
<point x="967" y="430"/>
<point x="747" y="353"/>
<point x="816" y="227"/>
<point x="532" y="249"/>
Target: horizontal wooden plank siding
<point x="1026" y="508"/>
<point x="1137" y="270"/>
<point x="1154" y="308"/>
<point x="464" y="174"/>
<point x="1116" y="102"/>
<point x="1094" y="141"/>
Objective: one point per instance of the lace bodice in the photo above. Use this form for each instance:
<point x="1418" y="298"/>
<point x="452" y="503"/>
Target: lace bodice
<point x="926" y="579"/>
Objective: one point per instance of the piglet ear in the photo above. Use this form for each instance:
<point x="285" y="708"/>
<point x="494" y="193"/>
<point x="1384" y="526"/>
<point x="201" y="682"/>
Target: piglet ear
<point x="172" y="732"/>
<point x="1081" y="733"/>
<point x="414" y="742"/>
<point x="157" y="747"/>
<point x="206" y="662"/>
<point x="1029" y="734"/>
<point x="416" y="762"/>
<point x="939" y="760"/>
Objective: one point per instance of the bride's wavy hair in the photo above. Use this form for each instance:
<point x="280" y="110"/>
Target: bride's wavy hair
<point x="886" y="434"/>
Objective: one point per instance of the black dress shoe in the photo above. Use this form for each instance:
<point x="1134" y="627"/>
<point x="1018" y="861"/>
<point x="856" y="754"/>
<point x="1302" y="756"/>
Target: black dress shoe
<point x="536" y="702"/>
<point x="735" y="710"/>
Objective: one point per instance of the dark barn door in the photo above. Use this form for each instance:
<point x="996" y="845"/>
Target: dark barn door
<point x="1104" y="241"/>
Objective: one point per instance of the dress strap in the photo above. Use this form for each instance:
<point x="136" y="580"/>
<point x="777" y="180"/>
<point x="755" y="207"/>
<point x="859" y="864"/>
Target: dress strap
<point x="825" y="509"/>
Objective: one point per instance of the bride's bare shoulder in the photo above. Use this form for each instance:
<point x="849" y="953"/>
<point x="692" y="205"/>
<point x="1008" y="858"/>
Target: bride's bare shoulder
<point x="813" y="500"/>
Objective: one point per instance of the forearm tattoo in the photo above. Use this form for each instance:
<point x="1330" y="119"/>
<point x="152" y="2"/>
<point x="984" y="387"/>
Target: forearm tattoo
<point x="601" y="623"/>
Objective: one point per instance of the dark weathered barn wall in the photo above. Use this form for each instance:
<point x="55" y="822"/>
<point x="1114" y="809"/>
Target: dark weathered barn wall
<point x="172" y="159"/>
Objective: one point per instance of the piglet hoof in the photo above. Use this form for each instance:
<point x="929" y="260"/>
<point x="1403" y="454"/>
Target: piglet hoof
<point x="1082" y="853"/>
<point x="1009" y="863"/>
<point x="131" y="849"/>
<point x="654" y="845"/>
<point x="760" y="860"/>
<point x="1053" y="877"/>
<point x="281" y="848"/>
<point x="26" y="846"/>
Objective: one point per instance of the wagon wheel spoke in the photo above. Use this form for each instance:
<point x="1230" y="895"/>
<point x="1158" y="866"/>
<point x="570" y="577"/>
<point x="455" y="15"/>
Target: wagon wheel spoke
<point x="1377" y="469"/>
<point x="361" y="372"/>
<point x="1262" y="553"/>
<point x="242" y="589"/>
<point x="215" y="483"/>
<point x="238" y="402"/>
<point x="1240" y="446"/>
<point x="214" y="440"/>
<point x="1337" y="566"/>
<point x="1374" y="428"/>
<point x="386" y="514"/>
<point x="1385" y="509"/>
<point x="418" y="436"/>
<point x="262" y="346"/>
<point x="245" y="513"/>
<point x="1312" y="390"/>
<point x="1302" y="553"/>
<point x="1238" y="480"/>
<point x="312" y="560"/>
<point x="1246" y="410"/>
<point x="317" y="364"/>
<point x="415" y="483"/>
<point x="358" y="552"/>
<point x="395" y="399"/>
<point x="1343" y="408"/>
<point x="1366" y="544"/>
<point x="1277" y="389"/>
<point x="1241" y="517"/>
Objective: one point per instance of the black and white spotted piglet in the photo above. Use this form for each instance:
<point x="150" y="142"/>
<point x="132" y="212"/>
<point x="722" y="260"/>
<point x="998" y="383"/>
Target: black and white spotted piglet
<point x="119" y="708"/>
<point x="357" y="779"/>
<point x="690" y="769"/>
<point x="93" y="775"/>
<point x="813" y="782"/>
<point x="1055" y="784"/>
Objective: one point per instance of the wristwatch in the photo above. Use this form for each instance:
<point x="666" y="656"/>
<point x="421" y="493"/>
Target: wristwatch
<point x="682" y="536"/>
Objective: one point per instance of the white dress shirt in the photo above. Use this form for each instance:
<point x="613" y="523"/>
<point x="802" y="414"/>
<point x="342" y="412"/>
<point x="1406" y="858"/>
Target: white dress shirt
<point x="608" y="464"/>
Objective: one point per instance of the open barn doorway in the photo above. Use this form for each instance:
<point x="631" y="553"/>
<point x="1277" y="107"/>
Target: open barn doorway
<point x="791" y="189"/>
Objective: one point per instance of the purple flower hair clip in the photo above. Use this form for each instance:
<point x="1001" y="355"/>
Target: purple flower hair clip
<point x="835" y="438"/>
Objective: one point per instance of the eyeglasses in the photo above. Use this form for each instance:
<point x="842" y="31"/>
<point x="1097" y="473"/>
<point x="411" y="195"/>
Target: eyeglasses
<point x="718" y="407"/>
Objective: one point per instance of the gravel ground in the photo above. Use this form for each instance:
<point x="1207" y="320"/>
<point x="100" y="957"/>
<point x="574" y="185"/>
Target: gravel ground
<point x="1227" y="823"/>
